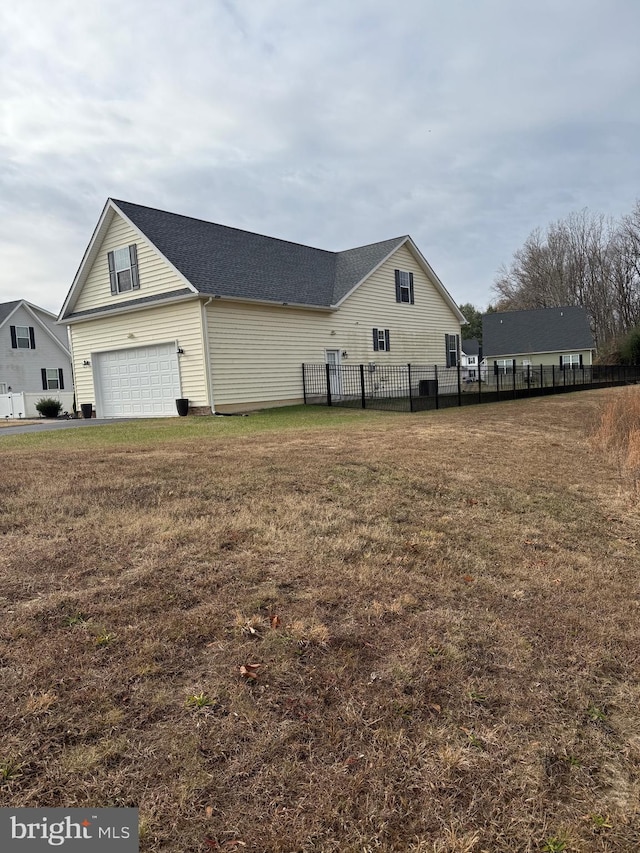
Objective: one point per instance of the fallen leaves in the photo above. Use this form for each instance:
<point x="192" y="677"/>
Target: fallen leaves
<point x="250" y="670"/>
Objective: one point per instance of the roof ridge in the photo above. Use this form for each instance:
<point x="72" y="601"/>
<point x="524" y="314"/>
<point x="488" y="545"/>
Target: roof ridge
<point x="226" y="227"/>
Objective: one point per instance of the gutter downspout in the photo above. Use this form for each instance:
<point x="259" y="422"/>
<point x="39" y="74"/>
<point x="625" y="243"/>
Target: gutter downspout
<point x="207" y="352"/>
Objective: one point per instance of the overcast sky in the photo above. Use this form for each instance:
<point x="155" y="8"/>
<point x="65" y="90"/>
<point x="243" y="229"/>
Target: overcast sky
<point x="465" y="124"/>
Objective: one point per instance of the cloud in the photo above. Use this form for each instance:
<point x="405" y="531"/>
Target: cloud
<point x="466" y="125"/>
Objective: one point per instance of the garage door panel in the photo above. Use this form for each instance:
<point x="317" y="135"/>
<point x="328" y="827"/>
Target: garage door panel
<point x="139" y="382"/>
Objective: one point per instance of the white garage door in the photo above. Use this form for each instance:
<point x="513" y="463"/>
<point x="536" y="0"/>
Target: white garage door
<point x="143" y="382"/>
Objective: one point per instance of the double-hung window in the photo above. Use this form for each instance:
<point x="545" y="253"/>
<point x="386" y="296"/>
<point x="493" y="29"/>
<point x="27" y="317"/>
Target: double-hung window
<point x="52" y="379"/>
<point x="404" y="287"/>
<point x="572" y="360"/>
<point x="22" y="337"/>
<point x="381" y="340"/>
<point x="452" y="346"/>
<point x="123" y="269"/>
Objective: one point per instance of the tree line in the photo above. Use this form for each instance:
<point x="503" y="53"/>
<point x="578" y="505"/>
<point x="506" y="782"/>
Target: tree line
<point x="586" y="259"/>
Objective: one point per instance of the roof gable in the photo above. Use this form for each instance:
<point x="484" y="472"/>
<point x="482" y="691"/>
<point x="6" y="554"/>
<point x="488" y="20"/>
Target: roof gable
<point x="45" y="320"/>
<point x="217" y="260"/>
<point x="540" y="330"/>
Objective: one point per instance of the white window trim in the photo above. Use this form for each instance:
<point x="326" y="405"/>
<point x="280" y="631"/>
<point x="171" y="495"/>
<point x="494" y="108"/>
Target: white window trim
<point x="20" y="337"/>
<point x="120" y="267"/>
<point x="50" y="379"/>
<point x="404" y="282"/>
<point x="571" y="360"/>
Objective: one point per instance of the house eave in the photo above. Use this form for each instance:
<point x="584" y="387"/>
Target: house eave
<point x="274" y="303"/>
<point x="126" y="308"/>
<point x="536" y="352"/>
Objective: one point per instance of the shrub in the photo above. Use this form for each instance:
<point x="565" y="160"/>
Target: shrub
<point x="48" y="407"/>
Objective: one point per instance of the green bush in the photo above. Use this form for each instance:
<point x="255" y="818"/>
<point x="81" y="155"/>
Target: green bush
<point x="48" y="407"/>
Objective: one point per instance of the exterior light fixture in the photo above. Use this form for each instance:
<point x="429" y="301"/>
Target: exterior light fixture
<point x="86" y="363"/>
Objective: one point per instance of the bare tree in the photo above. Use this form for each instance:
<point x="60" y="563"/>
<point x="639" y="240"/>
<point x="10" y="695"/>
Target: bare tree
<point x="585" y="259"/>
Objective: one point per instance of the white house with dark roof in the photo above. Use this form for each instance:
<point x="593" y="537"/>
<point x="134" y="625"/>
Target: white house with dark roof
<point x="35" y="360"/>
<point x="544" y="336"/>
<point x="470" y="359"/>
<point x="164" y="306"/>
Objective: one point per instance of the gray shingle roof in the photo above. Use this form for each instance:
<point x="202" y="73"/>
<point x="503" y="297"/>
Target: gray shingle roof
<point x="540" y="330"/>
<point x="6" y="308"/>
<point x="224" y="261"/>
<point x="471" y="346"/>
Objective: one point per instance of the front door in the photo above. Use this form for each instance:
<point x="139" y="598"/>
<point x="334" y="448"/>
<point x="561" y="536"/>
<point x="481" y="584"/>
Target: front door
<point x="332" y="357"/>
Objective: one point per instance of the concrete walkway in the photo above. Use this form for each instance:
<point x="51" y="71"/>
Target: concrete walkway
<point x="45" y="425"/>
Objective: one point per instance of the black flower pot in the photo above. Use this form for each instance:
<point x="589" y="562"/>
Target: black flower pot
<point x="182" y="405"/>
<point x="87" y="410"/>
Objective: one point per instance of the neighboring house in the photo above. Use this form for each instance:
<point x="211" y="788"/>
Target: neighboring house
<point x="35" y="361"/>
<point x="469" y="359"/>
<point x="545" y="336"/>
<point x="165" y="307"/>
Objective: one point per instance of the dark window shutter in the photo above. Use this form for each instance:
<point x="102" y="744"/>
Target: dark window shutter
<point x="14" y="340"/>
<point x="60" y="379"/>
<point x="398" y="289"/>
<point x="133" y="256"/>
<point x="447" y="351"/>
<point x="495" y="368"/>
<point x="561" y="364"/>
<point x="112" y="273"/>
<point x="513" y="364"/>
<point x="386" y="339"/>
<point x="375" y="340"/>
<point x="580" y="357"/>
<point x="411" y="299"/>
<point x="43" y="371"/>
<point x="32" y="337"/>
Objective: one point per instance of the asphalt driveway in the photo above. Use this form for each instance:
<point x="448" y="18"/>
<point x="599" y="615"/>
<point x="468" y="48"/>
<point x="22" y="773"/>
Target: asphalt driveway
<point x="45" y="425"/>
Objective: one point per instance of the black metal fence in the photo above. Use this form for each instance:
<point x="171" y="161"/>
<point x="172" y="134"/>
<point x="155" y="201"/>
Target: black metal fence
<point x="415" y="388"/>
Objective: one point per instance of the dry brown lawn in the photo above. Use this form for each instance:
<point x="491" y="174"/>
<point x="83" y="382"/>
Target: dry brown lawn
<point x="382" y="633"/>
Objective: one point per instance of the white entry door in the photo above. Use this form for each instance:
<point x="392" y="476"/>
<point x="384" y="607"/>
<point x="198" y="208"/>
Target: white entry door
<point x="143" y="382"/>
<point x="335" y="382"/>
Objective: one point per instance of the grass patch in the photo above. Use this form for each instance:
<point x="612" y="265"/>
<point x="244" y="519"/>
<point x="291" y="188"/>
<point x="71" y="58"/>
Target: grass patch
<point x="327" y="630"/>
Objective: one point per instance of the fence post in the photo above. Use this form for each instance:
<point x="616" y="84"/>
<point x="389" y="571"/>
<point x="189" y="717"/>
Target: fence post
<point x="553" y="376"/>
<point x="304" y="386"/>
<point x="529" y="380"/>
<point x="328" y="376"/>
<point x="514" y="379"/>
<point x="435" y="371"/>
<point x="497" y="384"/>
<point x="363" y="397"/>
<point x="459" y="385"/>
<point x="410" y="391"/>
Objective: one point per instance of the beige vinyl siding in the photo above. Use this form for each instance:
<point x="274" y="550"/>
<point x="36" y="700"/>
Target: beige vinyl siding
<point x="257" y="351"/>
<point x="156" y="275"/>
<point x="544" y="358"/>
<point x="180" y="322"/>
